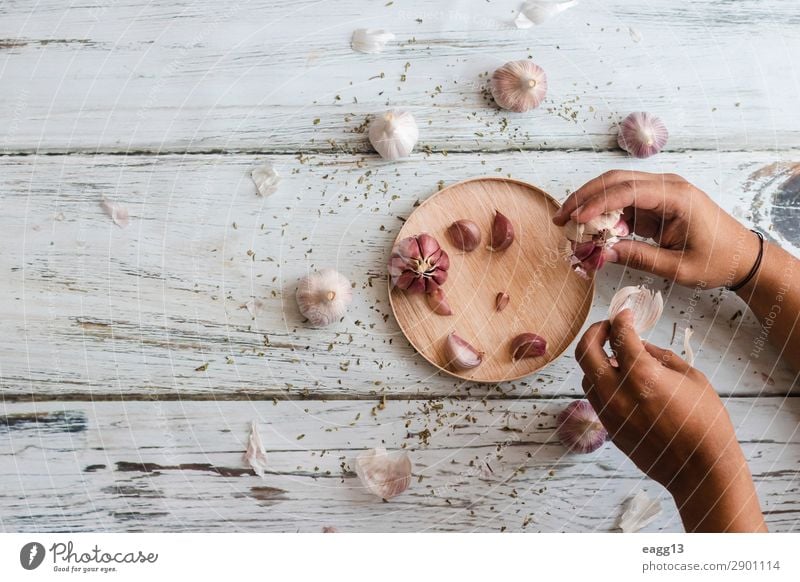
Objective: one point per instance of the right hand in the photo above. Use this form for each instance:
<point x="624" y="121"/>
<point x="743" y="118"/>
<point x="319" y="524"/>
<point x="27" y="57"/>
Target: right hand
<point x="697" y="243"/>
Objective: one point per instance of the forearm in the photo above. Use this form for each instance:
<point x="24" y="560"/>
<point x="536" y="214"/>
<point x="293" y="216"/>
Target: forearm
<point x="774" y="296"/>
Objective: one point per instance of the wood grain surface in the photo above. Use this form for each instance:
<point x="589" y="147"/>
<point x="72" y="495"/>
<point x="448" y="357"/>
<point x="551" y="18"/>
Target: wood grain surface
<point x="546" y="296"/>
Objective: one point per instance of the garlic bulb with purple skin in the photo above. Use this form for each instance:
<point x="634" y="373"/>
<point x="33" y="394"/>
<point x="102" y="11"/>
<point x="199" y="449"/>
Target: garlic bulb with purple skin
<point x="323" y="297"/>
<point x="460" y="354"/>
<point x="418" y="264"/>
<point x="519" y="86"/>
<point x="642" y="135"/>
<point x="579" y="428"/>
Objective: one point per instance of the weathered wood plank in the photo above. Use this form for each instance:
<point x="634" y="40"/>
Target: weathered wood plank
<point x="255" y="75"/>
<point x="481" y="466"/>
<point x="92" y="309"/>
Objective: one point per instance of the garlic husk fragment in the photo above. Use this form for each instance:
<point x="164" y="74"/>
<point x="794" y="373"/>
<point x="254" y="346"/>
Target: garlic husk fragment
<point x="519" y="86"/>
<point x="579" y="428"/>
<point x="539" y="11"/>
<point x="502" y="233"/>
<point x="393" y="134"/>
<point x="646" y="305"/>
<point x="528" y="345"/>
<point x="642" y="135"/>
<point x="465" y="235"/>
<point x="418" y="264"/>
<point x="639" y="513"/>
<point x="460" y="354"/>
<point x="501" y="301"/>
<point x="382" y="474"/>
<point x="438" y="302"/>
<point x="118" y="214"/>
<point x="323" y="297"/>
<point x="266" y="179"/>
<point x="255" y="456"/>
<point x="370" y="40"/>
<point x="687" y="345"/>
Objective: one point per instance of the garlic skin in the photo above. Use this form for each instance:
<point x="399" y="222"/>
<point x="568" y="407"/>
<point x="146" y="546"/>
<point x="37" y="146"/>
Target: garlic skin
<point x="502" y="233"/>
<point x="383" y="475"/>
<point x="539" y="11"/>
<point x="687" y="345"/>
<point x="519" y="86"/>
<point x="646" y="305"/>
<point x="418" y="264"/>
<point x="266" y="179"/>
<point x="255" y="456"/>
<point x="501" y="301"/>
<point x="465" y="235"/>
<point x="370" y="40"/>
<point x="579" y="428"/>
<point x="323" y="297"/>
<point x="640" y="512"/>
<point x="393" y="134"/>
<point x="528" y="345"/>
<point x="642" y="135"/>
<point x="438" y="302"/>
<point x="460" y="354"/>
<point x="118" y="214"/>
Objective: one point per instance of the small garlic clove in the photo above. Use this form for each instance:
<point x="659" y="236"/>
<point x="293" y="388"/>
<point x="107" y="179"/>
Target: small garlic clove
<point x="255" y="455"/>
<point x="502" y="232"/>
<point x="418" y="264"/>
<point x="465" y="235"/>
<point x="323" y="297"/>
<point x="579" y="428"/>
<point x="519" y="86"/>
<point x="641" y="510"/>
<point x="539" y="11"/>
<point x="438" y="302"/>
<point x="460" y="354"/>
<point x="642" y="135"/>
<point x="501" y="301"/>
<point x="266" y="179"/>
<point x="370" y="40"/>
<point x="393" y="134"/>
<point x="382" y="474"/>
<point x="528" y="345"/>
<point x="646" y="305"/>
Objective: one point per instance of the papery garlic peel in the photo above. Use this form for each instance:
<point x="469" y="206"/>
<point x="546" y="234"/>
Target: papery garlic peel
<point x="323" y="297"/>
<point x="539" y="11"/>
<point x="519" y="86"/>
<point x="382" y="474"/>
<point x="255" y="455"/>
<point x="579" y="428"/>
<point x="266" y="179"/>
<point x="370" y="40"/>
<point x="418" y="264"/>
<point x="641" y="510"/>
<point x="646" y="305"/>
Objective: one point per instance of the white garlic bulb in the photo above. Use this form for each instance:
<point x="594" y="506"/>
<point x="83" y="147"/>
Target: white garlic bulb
<point x="646" y="305"/>
<point x="519" y="86"/>
<point x="370" y="40"/>
<point x="382" y="474"/>
<point x="393" y="134"/>
<point x="323" y="297"/>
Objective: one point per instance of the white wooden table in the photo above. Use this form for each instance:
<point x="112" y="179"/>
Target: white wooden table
<point x="111" y="419"/>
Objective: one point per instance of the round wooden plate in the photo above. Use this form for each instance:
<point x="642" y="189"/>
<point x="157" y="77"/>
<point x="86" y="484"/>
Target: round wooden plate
<point x="547" y="297"/>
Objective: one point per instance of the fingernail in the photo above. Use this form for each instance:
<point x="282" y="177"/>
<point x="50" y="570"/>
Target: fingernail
<point x="612" y="255"/>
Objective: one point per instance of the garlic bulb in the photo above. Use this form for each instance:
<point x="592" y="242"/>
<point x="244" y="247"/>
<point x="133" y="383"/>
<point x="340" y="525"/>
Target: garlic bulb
<point x="266" y="179"/>
<point x="642" y="135"/>
<point x="393" y="134"/>
<point x="538" y="11"/>
<point x="645" y="304"/>
<point x="519" y="86"/>
<point x="118" y="214"/>
<point x="323" y="297"/>
<point x="460" y="354"/>
<point x="418" y="264"/>
<point x="382" y="474"/>
<point x="609" y="224"/>
<point x="579" y="429"/>
<point x="370" y="40"/>
<point x="640" y="512"/>
<point x="255" y="455"/>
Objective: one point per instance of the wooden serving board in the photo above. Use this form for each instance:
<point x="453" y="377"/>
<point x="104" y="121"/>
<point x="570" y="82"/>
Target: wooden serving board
<point x="547" y="297"/>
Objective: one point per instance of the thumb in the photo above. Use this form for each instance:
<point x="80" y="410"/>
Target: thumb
<point x="625" y="342"/>
<point x="668" y="358"/>
<point x="646" y="257"/>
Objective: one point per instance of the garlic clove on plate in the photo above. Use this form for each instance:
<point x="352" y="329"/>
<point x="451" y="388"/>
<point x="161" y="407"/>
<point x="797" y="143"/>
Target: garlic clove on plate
<point x="255" y="455"/>
<point x="418" y="264"/>
<point x="266" y="179"/>
<point x="323" y="297"/>
<point x="370" y="40"/>
<point x="438" y="302"/>
<point x="382" y="474"/>
<point x="502" y="232"/>
<point x="501" y="301"/>
<point x="646" y="305"/>
<point x="460" y="354"/>
<point x="465" y="235"/>
<point x="579" y="428"/>
<point x="642" y="135"/>
<point x="519" y="86"/>
<point x="539" y="11"/>
<point x="393" y="134"/>
<point x="528" y="345"/>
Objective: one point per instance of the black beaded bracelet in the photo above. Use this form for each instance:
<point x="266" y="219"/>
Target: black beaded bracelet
<point x="756" y="265"/>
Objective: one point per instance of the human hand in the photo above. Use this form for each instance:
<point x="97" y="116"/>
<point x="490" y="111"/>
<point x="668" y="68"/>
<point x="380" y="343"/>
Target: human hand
<point x="697" y="243"/>
<point x="668" y="419"/>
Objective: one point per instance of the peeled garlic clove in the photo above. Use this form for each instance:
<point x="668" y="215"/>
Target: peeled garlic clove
<point x="502" y="232"/>
<point x="370" y="40"/>
<point x="528" y="345"/>
<point x="642" y="135"/>
<point x="323" y="297"/>
<point x="460" y="354"/>
<point x="418" y="264"/>
<point x="519" y="86"/>
<point x="465" y="235"/>
<point x="579" y="428"/>
<point x="384" y="475"/>
<point x="393" y="134"/>
<point x="438" y="302"/>
<point x="645" y="304"/>
<point x="538" y="11"/>
<point x="501" y="301"/>
<point x="266" y="179"/>
<point x="255" y="455"/>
